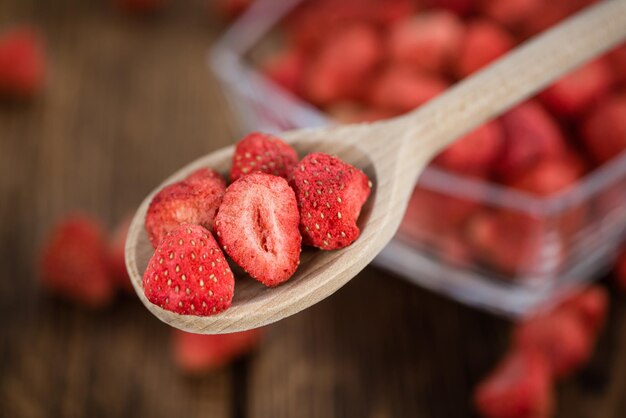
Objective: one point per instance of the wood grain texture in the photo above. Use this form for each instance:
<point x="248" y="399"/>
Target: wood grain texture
<point x="392" y="153"/>
<point x="127" y="103"/>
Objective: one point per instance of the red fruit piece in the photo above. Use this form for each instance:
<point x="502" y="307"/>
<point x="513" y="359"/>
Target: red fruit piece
<point x="550" y="13"/>
<point x="520" y="387"/>
<point x="197" y="354"/>
<point x="188" y="273"/>
<point x="531" y="135"/>
<point x="551" y="176"/>
<point x="194" y="200"/>
<point x="510" y="13"/>
<point x="73" y="262"/>
<point x="428" y="41"/>
<point x="474" y="153"/>
<point x="330" y="195"/>
<point x="265" y="153"/>
<point x="483" y="43"/>
<point x="591" y="307"/>
<point x="315" y="21"/>
<point x="580" y="89"/>
<point x="430" y="216"/>
<point x="117" y="255"/>
<point x="460" y="7"/>
<point x="386" y="12"/>
<point x="453" y="250"/>
<point x="510" y="242"/>
<point x="400" y="90"/>
<point x="604" y="130"/>
<point x="286" y="68"/>
<point x="617" y="59"/>
<point x="561" y="336"/>
<point x="257" y="225"/>
<point x="22" y="63"/>
<point x="343" y="65"/>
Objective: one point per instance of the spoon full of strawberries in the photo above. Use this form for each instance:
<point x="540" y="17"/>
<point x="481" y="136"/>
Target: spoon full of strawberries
<point x="305" y="212"/>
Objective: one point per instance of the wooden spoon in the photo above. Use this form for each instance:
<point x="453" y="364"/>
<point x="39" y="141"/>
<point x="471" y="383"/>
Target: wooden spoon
<point x="392" y="153"/>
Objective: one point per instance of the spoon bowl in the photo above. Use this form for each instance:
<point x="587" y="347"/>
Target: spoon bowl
<point x="392" y="154"/>
<point x="305" y="287"/>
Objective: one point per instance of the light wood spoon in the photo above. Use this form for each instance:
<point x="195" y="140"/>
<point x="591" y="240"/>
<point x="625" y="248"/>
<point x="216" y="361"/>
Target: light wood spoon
<point x="392" y="153"/>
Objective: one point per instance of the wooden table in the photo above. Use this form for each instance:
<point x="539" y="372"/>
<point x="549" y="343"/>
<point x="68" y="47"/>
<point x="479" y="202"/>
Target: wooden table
<point x="127" y="102"/>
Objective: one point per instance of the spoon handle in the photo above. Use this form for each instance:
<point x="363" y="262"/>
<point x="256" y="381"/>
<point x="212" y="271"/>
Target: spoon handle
<point x="490" y="92"/>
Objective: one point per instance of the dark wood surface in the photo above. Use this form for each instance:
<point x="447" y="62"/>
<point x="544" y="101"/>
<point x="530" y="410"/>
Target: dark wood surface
<point x="127" y="102"/>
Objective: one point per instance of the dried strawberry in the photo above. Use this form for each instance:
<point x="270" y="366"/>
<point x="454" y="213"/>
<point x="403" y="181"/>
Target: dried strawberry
<point x="483" y="42"/>
<point x="551" y="176"/>
<point x="561" y="336"/>
<point x="194" y="200"/>
<point x="454" y="250"/>
<point x="188" y="273"/>
<point x="519" y="387"/>
<point x="343" y="65"/>
<point x="264" y="153"/>
<point x="428" y="41"/>
<point x="257" y="225"/>
<point x="590" y="305"/>
<point x="460" y="7"/>
<point x="510" y="241"/>
<point x="531" y="135"/>
<point x="315" y="22"/>
<point x="330" y="195"/>
<point x="617" y="59"/>
<point x="474" y="153"/>
<point x="579" y="90"/>
<point x="400" y="90"/>
<point x="22" y="63"/>
<point x="604" y="130"/>
<point x="196" y="354"/>
<point x="511" y="13"/>
<point x="550" y="13"/>
<point x="431" y="215"/>
<point x="73" y="262"/>
<point x="286" y="68"/>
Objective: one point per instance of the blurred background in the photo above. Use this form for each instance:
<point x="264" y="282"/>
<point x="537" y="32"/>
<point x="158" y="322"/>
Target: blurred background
<point x="501" y="295"/>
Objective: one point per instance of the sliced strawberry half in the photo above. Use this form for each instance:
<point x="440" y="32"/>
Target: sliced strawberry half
<point x="257" y="225"/>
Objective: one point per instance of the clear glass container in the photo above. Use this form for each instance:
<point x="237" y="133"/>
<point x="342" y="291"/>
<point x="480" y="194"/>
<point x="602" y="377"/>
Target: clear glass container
<point x="526" y="250"/>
